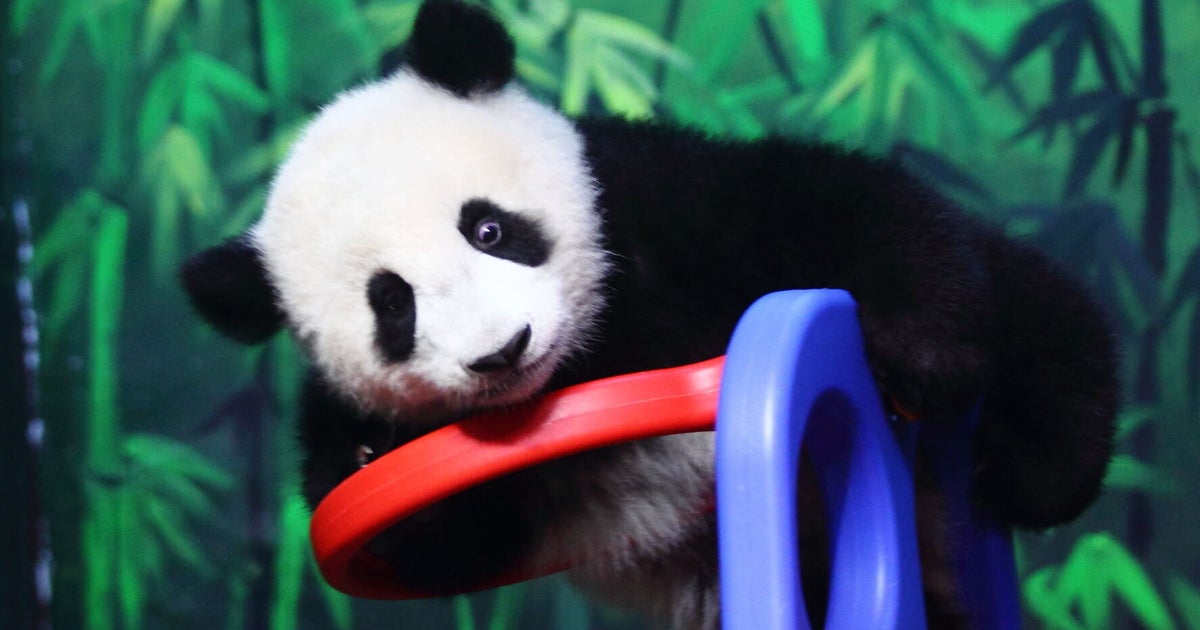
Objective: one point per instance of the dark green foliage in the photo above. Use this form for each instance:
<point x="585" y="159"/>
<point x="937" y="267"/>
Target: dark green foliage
<point x="155" y="125"/>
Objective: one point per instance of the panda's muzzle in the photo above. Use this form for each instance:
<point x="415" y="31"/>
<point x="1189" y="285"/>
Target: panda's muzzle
<point x="506" y="357"/>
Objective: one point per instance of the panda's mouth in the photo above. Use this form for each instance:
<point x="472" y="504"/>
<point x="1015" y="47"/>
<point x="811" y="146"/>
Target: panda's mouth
<point x="519" y="383"/>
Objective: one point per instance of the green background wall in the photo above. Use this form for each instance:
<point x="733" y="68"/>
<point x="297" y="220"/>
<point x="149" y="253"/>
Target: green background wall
<point x="138" y="132"/>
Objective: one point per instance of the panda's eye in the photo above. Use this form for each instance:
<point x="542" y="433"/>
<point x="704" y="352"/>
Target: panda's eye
<point x="487" y="233"/>
<point x="502" y="233"/>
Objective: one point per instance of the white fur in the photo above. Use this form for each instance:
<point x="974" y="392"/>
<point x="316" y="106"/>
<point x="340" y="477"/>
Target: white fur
<point x="642" y="536"/>
<point x="376" y="182"/>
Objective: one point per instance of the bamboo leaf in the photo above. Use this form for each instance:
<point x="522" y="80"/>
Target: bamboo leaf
<point x="573" y="99"/>
<point x="1034" y="34"/>
<point x="1132" y="583"/>
<point x="230" y="83"/>
<point x="389" y="21"/>
<point x="626" y="33"/>
<point x="289" y="561"/>
<point x="1077" y="577"/>
<point x="276" y="46"/>
<point x="96" y="31"/>
<point x="204" y="117"/>
<point x="1045" y="603"/>
<point x="130" y="593"/>
<point x="506" y="606"/>
<point x="66" y="295"/>
<point x="178" y="176"/>
<point x="1128" y="125"/>
<point x="595" y="45"/>
<point x="336" y="602"/>
<point x="160" y="17"/>
<point x="311" y="50"/>
<point x="1118" y="244"/>
<point x="735" y="116"/>
<point x="807" y="25"/>
<point x="720" y="29"/>
<point x="21" y="10"/>
<point x="1191" y="171"/>
<point x="897" y="96"/>
<point x="1065" y="56"/>
<point x="853" y="77"/>
<point x="1187" y="601"/>
<point x="1097" y="569"/>
<point x="1101" y="35"/>
<point x="623" y="87"/>
<point x="946" y="173"/>
<point x="67" y="234"/>
<point x="534" y="25"/>
<point x="1127" y="473"/>
<point x="1133" y="417"/>
<point x="935" y="64"/>
<point x="60" y="40"/>
<point x="99" y="550"/>
<point x="464" y="619"/>
<point x="239" y="593"/>
<point x="535" y="75"/>
<point x="1086" y="154"/>
<point x="1099" y="102"/>
<point x="150" y="561"/>
<point x="107" y="295"/>
<point x="170" y="527"/>
<point x="210" y="23"/>
<point x="166" y="455"/>
<point x="158" y="105"/>
<point x="258" y="162"/>
<point x="67" y="246"/>
<point x="990" y="66"/>
<point x="1104" y="283"/>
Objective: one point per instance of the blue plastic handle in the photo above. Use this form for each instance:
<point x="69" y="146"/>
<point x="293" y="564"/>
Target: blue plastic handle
<point x="796" y="372"/>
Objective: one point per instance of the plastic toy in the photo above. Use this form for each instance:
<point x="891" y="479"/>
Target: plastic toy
<point x="795" y="374"/>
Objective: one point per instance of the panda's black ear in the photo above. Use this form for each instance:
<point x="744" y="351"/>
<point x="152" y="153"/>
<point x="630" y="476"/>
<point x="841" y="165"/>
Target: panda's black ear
<point x="461" y="48"/>
<point x="229" y="287"/>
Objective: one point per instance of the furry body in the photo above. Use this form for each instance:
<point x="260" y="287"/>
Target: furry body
<point x="441" y="244"/>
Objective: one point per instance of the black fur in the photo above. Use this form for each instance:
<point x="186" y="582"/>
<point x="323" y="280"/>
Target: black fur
<point x="951" y="309"/>
<point x="518" y="239"/>
<point x="460" y="48"/>
<point x="455" y="545"/>
<point x="703" y="227"/>
<point x="1047" y="431"/>
<point x="391" y="298"/>
<point x="229" y="287"/>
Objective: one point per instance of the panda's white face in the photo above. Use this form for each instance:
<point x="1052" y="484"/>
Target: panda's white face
<point x="435" y="253"/>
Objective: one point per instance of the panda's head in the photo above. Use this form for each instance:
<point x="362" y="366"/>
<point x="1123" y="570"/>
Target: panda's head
<point x="432" y="239"/>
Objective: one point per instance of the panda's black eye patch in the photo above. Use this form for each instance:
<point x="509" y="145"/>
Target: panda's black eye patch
<point x="391" y="298"/>
<point x="503" y="234"/>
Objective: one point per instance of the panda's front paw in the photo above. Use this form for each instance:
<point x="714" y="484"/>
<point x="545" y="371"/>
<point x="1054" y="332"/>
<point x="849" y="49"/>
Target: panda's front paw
<point x="924" y="373"/>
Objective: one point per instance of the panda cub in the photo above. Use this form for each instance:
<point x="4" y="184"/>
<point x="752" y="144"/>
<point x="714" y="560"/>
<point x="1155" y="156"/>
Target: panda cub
<point x="441" y="243"/>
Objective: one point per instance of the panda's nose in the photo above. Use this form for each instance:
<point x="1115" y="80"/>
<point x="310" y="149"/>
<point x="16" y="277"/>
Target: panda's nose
<point x="506" y="357"/>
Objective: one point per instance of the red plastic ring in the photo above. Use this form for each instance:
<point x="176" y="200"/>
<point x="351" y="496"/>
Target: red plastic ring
<point x="487" y="446"/>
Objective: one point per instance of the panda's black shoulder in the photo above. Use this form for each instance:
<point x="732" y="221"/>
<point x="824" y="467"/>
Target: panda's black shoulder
<point x="682" y="160"/>
<point x="676" y="184"/>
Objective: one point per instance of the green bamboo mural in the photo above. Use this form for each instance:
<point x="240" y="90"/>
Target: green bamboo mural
<point x="154" y="126"/>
